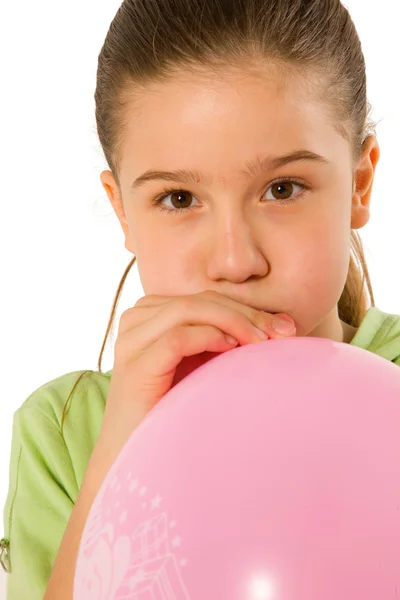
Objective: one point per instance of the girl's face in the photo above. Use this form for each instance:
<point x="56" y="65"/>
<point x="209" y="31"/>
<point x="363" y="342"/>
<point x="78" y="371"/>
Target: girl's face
<point x="249" y="233"/>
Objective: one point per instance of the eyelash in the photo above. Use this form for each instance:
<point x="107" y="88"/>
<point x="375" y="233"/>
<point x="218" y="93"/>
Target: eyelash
<point x="178" y="211"/>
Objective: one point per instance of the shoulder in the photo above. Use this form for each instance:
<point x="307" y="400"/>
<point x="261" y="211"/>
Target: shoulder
<point x="69" y="410"/>
<point x="50" y="398"/>
<point x="379" y="333"/>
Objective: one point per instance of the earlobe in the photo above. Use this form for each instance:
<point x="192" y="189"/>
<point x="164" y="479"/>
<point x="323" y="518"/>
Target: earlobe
<point x="111" y="188"/>
<point x="128" y="246"/>
<point x="359" y="217"/>
<point x="109" y="184"/>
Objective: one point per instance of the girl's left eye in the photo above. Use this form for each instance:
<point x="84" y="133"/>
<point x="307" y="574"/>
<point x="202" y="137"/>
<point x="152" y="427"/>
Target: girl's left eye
<point x="283" y="187"/>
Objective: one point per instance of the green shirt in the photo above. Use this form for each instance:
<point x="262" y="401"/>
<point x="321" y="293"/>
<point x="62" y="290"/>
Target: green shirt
<point x="47" y="469"/>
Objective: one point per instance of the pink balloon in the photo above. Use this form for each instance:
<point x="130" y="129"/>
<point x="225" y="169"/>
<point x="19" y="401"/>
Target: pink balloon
<point x="272" y="472"/>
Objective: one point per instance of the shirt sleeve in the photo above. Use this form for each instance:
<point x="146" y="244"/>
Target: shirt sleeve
<point x="41" y="495"/>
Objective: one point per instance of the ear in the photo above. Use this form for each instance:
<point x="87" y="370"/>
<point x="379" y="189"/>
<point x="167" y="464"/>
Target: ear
<point x="112" y="190"/>
<point x="363" y="180"/>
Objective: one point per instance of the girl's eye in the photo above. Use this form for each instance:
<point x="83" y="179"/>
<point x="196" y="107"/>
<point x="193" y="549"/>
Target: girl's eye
<point x="181" y="199"/>
<point x="283" y="190"/>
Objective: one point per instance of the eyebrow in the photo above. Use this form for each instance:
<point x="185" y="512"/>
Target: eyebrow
<point x="254" y="167"/>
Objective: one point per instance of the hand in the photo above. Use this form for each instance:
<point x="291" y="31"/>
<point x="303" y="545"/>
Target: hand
<point x="161" y="339"/>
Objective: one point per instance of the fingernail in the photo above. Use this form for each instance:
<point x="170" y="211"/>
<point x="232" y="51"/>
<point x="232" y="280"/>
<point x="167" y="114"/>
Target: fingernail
<point x="261" y="334"/>
<point x="283" y="327"/>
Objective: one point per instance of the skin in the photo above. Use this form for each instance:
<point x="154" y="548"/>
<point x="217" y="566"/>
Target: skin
<point x="236" y="238"/>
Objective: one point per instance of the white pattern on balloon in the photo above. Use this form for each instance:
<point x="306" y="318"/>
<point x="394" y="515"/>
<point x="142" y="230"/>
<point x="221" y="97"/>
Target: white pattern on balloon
<point x="131" y="566"/>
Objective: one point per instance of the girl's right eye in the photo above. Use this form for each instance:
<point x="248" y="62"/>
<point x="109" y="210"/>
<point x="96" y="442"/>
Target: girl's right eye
<point x="178" y="196"/>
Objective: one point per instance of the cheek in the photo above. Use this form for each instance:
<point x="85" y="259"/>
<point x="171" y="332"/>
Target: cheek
<point x="316" y="268"/>
<point x="166" y="269"/>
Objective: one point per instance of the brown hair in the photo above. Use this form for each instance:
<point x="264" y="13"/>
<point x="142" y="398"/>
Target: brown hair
<point x="314" y="40"/>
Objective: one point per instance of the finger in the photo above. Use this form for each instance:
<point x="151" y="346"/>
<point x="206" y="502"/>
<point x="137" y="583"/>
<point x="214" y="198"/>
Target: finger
<point x="274" y="326"/>
<point x="187" y="311"/>
<point x="158" y="364"/>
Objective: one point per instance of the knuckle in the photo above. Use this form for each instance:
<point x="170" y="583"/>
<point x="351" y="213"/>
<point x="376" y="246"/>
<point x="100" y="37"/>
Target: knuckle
<point x="209" y="294"/>
<point x="124" y="320"/>
<point x="141" y="301"/>
<point x="260" y="318"/>
<point x="131" y="317"/>
<point x="125" y="315"/>
<point x="147" y="300"/>
<point x="174" y="338"/>
<point x="184" y="303"/>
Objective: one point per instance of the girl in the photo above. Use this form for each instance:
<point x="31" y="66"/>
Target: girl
<point x="241" y="167"/>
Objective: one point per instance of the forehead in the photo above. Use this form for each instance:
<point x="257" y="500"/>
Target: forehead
<point x="208" y="120"/>
<point x="192" y="97"/>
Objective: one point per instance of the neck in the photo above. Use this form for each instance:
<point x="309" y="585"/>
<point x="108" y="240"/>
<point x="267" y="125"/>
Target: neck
<point x="348" y="332"/>
<point x="334" y="329"/>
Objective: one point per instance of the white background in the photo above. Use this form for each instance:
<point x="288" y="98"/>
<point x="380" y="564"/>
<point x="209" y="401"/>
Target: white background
<point x="62" y="249"/>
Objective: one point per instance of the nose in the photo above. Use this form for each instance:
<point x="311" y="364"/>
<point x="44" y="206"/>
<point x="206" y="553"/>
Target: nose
<point x="235" y="250"/>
